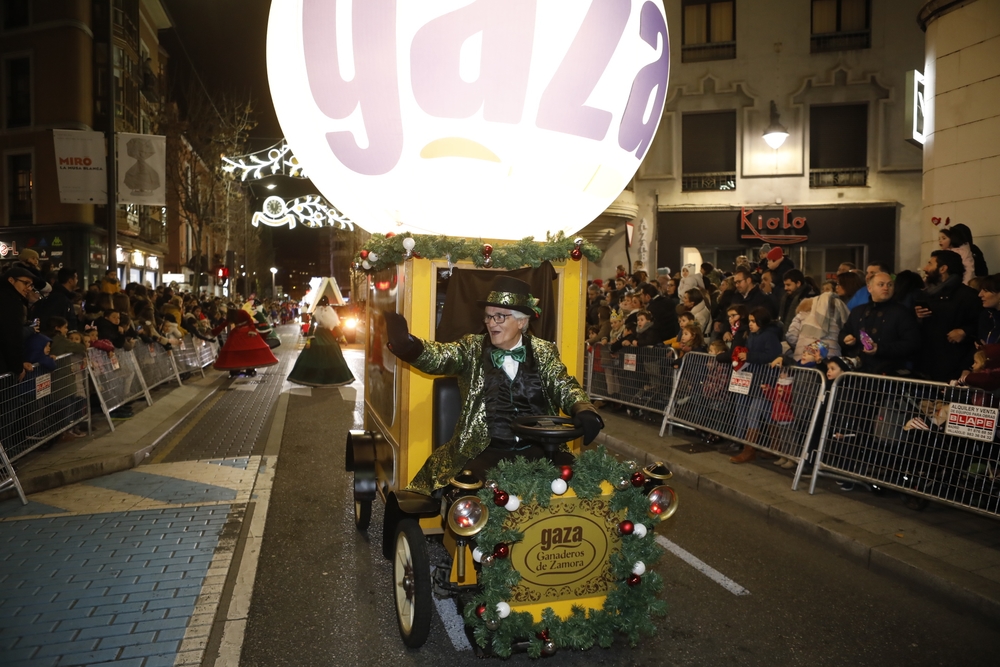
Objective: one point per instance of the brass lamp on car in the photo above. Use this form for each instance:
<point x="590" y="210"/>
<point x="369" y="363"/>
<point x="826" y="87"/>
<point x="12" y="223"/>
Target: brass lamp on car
<point x="466" y="518"/>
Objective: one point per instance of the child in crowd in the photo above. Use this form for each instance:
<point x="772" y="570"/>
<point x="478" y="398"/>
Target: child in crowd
<point x="782" y="418"/>
<point x="691" y="340"/>
<point x="683" y="321"/>
<point x="644" y="333"/>
<point x="627" y="339"/>
<point x="814" y="355"/>
<point x="985" y="373"/>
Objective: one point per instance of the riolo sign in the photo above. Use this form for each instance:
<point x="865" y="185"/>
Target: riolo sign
<point x="502" y="117"/>
<point x="785" y="230"/>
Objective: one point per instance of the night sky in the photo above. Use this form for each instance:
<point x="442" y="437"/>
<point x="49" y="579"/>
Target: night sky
<point x="226" y="42"/>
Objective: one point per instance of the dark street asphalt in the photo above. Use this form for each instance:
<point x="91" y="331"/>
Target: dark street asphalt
<point x="322" y="594"/>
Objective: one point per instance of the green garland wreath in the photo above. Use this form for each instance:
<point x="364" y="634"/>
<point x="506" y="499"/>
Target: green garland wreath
<point x="527" y="252"/>
<point x="628" y="609"/>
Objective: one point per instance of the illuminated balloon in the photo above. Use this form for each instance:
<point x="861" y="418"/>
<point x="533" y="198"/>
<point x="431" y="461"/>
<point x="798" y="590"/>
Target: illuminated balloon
<point x="514" y="117"/>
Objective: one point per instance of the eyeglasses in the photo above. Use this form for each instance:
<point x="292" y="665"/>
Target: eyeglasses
<point x="25" y="281"/>
<point x="499" y="318"/>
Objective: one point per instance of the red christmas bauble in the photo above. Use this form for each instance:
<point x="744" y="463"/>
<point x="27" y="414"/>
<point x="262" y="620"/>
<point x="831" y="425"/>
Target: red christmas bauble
<point x="576" y="254"/>
<point x="364" y="254"/>
<point x="487" y="250"/>
<point x="501" y="551"/>
<point x="638" y="479"/>
<point x="566" y="473"/>
<point x="543" y="635"/>
<point x="480" y="610"/>
<point x="500" y="498"/>
<point x="633" y="580"/>
<point x="626" y="527"/>
<point x="389" y="235"/>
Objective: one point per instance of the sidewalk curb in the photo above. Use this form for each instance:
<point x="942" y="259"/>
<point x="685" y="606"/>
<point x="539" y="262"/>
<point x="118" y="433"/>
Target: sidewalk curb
<point x="134" y="454"/>
<point x="874" y="552"/>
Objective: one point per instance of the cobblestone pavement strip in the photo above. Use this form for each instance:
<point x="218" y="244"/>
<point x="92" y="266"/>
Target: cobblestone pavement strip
<point x="129" y="568"/>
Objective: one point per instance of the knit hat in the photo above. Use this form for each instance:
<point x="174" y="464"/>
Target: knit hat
<point x="775" y="254"/>
<point x="27" y="254"/>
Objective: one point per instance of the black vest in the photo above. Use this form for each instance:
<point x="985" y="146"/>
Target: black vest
<point x="506" y="399"/>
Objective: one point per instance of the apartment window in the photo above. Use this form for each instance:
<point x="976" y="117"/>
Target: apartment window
<point x="708" y="151"/>
<point x="17" y="91"/>
<point x="16" y="13"/>
<point x="709" y="31"/>
<point x="840" y="25"/>
<point x="838" y="146"/>
<point x="20" y="186"/>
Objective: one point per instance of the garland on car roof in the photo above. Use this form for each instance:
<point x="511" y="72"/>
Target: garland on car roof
<point x="631" y="601"/>
<point x="383" y="251"/>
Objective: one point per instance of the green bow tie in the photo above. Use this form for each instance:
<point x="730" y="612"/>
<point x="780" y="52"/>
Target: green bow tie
<point x="517" y="354"/>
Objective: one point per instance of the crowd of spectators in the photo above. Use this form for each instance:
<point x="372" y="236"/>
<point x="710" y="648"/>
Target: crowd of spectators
<point x="45" y="313"/>
<point x="927" y="324"/>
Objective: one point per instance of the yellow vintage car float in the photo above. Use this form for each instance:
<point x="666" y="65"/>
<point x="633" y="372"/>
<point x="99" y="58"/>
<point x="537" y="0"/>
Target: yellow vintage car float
<point x="542" y="557"/>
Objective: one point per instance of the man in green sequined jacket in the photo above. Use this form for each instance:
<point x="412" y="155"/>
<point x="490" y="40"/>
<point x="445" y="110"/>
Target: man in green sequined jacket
<point x="502" y="375"/>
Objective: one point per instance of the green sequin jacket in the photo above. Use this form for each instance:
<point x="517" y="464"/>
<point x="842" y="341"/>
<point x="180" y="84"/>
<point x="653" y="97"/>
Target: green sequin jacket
<point x="463" y="359"/>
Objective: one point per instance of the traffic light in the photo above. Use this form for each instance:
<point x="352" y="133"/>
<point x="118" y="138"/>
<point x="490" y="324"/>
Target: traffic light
<point x="222" y="273"/>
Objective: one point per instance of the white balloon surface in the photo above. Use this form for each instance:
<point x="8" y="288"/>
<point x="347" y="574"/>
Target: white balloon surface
<point x="491" y="118"/>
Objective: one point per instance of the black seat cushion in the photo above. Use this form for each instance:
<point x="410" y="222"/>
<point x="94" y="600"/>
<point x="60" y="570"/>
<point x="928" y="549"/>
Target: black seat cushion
<point x="447" y="407"/>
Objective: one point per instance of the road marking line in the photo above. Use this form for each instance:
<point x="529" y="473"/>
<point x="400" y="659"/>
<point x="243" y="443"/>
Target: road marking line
<point x="702" y="566"/>
<point x="453" y="623"/>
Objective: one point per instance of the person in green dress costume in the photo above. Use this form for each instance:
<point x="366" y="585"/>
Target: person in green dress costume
<point x="321" y="363"/>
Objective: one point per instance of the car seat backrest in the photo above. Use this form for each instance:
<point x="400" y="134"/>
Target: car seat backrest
<point x="447" y="405"/>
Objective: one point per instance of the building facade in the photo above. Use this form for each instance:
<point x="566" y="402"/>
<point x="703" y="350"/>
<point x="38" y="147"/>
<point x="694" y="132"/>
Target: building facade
<point x="845" y="184"/>
<point x="961" y="128"/>
<point x="54" y="75"/>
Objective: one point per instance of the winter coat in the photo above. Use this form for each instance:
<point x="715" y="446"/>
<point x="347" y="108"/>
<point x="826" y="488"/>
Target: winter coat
<point x="34" y="352"/>
<point x="987" y="378"/>
<point x="779" y="273"/>
<point x="953" y="305"/>
<point x="663" y="310"/>
<point x="893" y="329"/>
<point x="59" y="303"/>
<point x="703" y="316"/>
<point x="756" y="299"/>
<point x="764" y="346"/>
<point x="780" y="396"/>
<point x="108" y="330"/>
<point x="790" y="303"/>
<point x="12" y="314"/>
<point x="989" y="326"/>
<point x="968" y="262"/>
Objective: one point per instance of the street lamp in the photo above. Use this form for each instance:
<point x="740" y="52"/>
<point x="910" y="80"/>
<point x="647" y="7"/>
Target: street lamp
<point x="274" y="272"/>
<point x="776" y="133"/>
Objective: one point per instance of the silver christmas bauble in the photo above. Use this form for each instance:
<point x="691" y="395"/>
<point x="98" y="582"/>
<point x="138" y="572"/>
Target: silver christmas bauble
<point x="491" y="624"/>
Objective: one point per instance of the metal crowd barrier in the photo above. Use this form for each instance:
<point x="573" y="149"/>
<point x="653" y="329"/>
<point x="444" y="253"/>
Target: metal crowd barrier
<point x="926" y="439"/>
<point x="187" y="357"/>
<point x="207" y="353"/>
<point x="773" y="409"/>
<point x="640" y="377"/>
<point x="39" y="408"/>
<point x="156" y="364"/>
<point x="117" y="378"/>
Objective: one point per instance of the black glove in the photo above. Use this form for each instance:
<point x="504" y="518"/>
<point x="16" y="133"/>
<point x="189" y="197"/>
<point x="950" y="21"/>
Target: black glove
<point x="590" y="422"/>
<point x="401" y="343"/>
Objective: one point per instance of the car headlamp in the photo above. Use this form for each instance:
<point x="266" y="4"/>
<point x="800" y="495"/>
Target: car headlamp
<point x="467" y="516"/>
<point x="662" y="502"/>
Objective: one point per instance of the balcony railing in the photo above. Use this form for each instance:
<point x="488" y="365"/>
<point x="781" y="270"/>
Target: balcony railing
<point x="849" y="177"/>
<point x="709" y="181"/>
<point x="841" y="41"/>
<point x="696" y="53"/>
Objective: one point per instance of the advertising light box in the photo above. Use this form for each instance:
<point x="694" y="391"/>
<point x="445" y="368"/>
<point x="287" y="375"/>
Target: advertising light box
<point x="499" y="118"/>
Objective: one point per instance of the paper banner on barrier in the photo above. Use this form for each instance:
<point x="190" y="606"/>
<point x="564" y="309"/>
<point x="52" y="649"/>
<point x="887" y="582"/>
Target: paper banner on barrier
<point x="80" y="166"/>
<point x="971" y="421"/>
<point x="142" y="168"/>
<point x="628" y="362"/>
<point x="43" y="385"/>
<point x="739" y="382"/>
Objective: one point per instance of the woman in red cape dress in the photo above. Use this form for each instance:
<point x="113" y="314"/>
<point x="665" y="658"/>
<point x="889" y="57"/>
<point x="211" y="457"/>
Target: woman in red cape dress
<point x="244" y="348"/>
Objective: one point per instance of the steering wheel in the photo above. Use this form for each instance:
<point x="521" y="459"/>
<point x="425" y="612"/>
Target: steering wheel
<point x="546" y="430"/>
